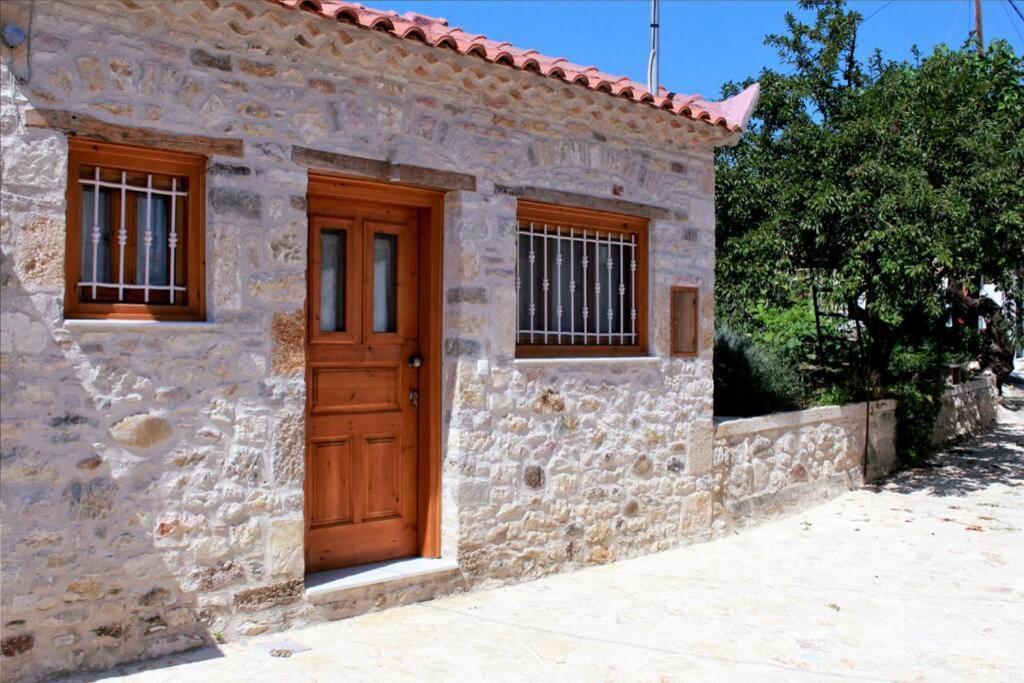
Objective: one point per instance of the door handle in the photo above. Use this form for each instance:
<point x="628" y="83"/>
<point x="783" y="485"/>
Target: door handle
<point x="415" y="362"/>
<point x="414" y="398"/>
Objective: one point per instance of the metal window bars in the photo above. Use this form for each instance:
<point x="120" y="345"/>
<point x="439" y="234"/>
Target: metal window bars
<point x="571" y="260"/>
<point x="94" y="283"/>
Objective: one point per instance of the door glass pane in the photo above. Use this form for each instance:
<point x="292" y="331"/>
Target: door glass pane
<point x="385" y="266"/>
<point x="332" y="281"/>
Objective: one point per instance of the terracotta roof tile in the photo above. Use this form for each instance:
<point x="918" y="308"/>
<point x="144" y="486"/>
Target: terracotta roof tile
<point x="732" y="113"/>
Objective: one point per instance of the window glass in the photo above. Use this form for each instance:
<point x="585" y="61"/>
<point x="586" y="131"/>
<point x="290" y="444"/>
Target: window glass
<point x="577" y="286"/>
<point x="138" y="249"/>
<point x="159" y="217"/>
<point x="94" y="216"/>
<point x="385" y="285"/>
<point x="332" y="280"/>
<point x="135" y="239"/>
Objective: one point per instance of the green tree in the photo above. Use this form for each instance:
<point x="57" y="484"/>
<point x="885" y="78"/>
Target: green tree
<point x="888" y="188"/>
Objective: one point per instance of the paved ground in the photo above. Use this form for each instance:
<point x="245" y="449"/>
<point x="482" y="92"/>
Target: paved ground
<point x="921" y="579"/>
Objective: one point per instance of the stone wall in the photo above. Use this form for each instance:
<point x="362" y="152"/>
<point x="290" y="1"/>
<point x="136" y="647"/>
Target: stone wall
<point x="768" y="465"/>
<point x="151" y="490"/>
<point x="773" y="464"/>
<point x="967" y="408"/>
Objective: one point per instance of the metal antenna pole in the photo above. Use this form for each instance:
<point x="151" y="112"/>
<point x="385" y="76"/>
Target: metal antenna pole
<point x="652" y="62"/>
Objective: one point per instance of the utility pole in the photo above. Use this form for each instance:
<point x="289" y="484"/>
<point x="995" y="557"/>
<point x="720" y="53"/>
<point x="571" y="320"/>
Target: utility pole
<point x="977" y="27"/>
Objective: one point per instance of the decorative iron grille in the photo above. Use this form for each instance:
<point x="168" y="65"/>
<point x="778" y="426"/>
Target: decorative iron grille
<point x="148" y="214"/>
<point x="576" y="286"/>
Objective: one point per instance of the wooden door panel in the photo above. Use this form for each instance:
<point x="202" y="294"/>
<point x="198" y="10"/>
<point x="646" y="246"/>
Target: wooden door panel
<point x="382" y="463"/>
<point x="359" y="388"/>
<point x="331" y="482"/>
<point x="349" y="544"/>
<point x="362" y="424"/>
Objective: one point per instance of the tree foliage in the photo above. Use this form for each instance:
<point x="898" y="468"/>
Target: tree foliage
<point x="889" y="187"/>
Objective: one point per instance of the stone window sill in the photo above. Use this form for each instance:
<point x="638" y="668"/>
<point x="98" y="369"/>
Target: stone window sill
<point x="112" y="325"/>
<point x="583" y="360"/>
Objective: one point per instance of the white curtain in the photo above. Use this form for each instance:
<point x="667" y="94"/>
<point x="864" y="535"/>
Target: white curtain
<point x="102" y="273"/>
<point x="332" y="281"/>
<point x="159" y="208"/>
<point x="384" y="271"/>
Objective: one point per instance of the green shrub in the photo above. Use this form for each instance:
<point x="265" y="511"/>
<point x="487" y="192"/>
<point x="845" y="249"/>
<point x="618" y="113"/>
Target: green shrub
<point x="916" y="410"/>
<point x="787" y="333"/>
<point x="917" y="385"/>
<point x="750" y="381"/>
<point x="833" y="396"/>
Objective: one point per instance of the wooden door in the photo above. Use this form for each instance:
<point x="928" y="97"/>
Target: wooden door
<point x="362" y="384"/>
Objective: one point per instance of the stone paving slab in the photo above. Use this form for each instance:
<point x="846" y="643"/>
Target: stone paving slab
<point x="920" y="578"/>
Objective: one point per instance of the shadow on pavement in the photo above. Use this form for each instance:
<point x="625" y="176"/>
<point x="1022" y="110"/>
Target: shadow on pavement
<point x="167" y="664"/>
<point x="1013" y="398"/>
<point x="995" y="457"/>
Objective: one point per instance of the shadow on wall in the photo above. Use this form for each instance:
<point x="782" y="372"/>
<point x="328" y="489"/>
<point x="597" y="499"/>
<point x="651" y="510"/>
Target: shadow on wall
<point x="994" y="458"/>
<point x="88" y="574"/>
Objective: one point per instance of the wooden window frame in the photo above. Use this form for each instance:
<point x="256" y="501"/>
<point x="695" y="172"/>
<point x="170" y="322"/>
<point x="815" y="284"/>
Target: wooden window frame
<point x="353" y="277"/>
<point x="672" y="322"/>
<point x="130" y="158"/>
<point x="575" y="217"/>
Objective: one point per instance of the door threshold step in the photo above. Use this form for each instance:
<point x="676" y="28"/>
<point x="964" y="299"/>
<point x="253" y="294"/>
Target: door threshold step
<point x="324" y="586"/>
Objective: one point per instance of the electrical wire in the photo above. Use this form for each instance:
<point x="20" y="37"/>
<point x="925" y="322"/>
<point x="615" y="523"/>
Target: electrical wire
<point x="877" y="11"/>
<point x="1010" y="18"/>
<point x="1017" y="10"/>
<point x="956" y="15"/>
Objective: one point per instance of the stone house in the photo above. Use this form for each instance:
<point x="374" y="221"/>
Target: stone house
<point x="311" y="309"/>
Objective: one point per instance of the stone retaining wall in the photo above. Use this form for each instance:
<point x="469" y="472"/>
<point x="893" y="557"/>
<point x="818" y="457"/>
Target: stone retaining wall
<point x="768" y="465"/>
<point x="771" y="464"/>
<point x="966" y="409"/>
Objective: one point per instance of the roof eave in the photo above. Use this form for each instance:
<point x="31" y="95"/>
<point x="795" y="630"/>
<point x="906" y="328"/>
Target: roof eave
<point x="731" y="115"/>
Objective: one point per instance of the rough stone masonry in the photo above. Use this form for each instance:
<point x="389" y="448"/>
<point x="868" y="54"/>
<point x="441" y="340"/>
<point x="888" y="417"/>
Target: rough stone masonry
<point x="152" y="476"/>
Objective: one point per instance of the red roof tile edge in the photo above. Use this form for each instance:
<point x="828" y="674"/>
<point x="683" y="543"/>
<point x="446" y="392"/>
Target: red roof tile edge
<point x="731" y="114"/>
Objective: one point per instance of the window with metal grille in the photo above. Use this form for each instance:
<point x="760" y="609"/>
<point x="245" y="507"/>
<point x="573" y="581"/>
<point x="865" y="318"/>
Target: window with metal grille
<point x="580" y="282"/>
<point x="135" y="233"/>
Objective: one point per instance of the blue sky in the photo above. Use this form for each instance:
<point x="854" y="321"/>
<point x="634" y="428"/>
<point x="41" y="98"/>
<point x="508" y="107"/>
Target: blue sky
<point x="704" y="43"/>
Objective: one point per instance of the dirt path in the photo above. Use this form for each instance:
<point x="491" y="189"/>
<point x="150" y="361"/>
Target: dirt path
<point x="919" y="578"/>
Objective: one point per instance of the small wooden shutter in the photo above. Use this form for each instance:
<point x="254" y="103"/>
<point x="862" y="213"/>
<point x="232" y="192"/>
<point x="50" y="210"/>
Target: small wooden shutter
<point x="684" y="321"/>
